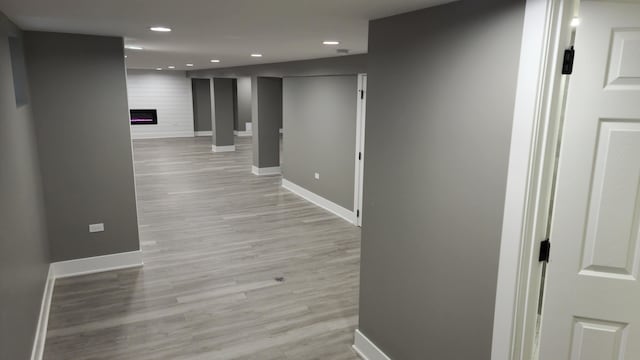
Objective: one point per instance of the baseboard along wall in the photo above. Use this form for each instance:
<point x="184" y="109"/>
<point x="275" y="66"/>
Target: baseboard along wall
<point x="366" y="349"/>
<point x="242" y="133"/>
<point x="266" y="171"/>
<point x="63" y="269"/>
<point x="318" y="200"/>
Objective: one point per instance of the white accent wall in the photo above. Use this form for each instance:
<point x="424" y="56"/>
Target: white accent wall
<point x="169" y="92"/>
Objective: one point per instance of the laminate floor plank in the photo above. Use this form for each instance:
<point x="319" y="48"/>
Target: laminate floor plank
<point x="236" y="268"/>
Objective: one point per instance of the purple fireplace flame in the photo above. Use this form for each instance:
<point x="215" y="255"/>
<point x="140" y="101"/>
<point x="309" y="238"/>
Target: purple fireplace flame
<point x="144" y="117"/>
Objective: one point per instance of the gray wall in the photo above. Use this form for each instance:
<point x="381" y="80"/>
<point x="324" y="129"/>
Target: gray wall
<point x="24" y="253"/>
<point x="223" y="94"/>
<point x="267" y="117"/>
<point x="339" y="65"/>
<point x="79" y="99"/>
<point x="243" y="109"/>
<point x="320" y="121"/>
<point x="201" y="90"/>
<point x="440" y="108"/>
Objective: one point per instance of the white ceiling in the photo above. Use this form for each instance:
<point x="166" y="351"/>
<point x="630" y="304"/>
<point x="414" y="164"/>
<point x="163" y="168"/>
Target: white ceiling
<point x="228" y="30"/>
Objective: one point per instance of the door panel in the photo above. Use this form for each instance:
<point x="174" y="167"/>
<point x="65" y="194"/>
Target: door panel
<point x="624" y="59"/>
<point x="612" y="226"/>
<point x="597" y="340"/>
<point x="591" y="309"/>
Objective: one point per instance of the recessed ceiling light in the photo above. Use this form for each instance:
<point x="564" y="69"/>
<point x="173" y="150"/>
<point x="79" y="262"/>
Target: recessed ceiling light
<point x="256" y="55"/>
<point x="331" y="42"/>
<point x="575" y="22"/>
<point x="160" y="29"/>
<point x="125" y="56"/>
<point x="190" y="65"/>
<point x="171" y="67"/>
<point x="215" y="61"/>
<point x="133" y="47"/>
<point x="158" y="69"/>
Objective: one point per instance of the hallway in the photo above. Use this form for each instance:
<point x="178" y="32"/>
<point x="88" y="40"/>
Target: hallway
<point x="235" y="268"/>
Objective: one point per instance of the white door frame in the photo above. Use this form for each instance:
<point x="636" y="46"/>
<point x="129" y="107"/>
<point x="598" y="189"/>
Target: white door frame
<point x="359" y="153"/>
<point x="537" y="115"/>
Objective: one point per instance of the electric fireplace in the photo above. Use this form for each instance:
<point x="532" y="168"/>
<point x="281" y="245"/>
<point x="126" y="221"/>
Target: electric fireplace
<point x="144" y="117"/>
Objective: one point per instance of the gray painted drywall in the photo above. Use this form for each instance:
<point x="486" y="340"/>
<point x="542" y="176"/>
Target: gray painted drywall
<point x="243" y="108"/>
<point x="201" y="90"/>
<point x="340" y="65"/>
<point x="320" y="120"/>
<point x="24" y="252"/>
<point x="223" y="119"/>
<point x="441" y="90"/>
<point x="79" y="99"/>
<point x="267" y="117"/>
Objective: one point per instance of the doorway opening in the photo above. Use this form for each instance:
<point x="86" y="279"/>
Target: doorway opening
<point x="581" y="191"/>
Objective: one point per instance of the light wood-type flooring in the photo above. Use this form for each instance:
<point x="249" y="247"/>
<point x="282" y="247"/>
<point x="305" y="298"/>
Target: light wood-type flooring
<point x="216" y="240"/>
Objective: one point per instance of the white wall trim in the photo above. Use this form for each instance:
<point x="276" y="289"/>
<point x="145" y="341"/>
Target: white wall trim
<point x="62" y="269"/>
<point x="97" y="264"/>
<point x="361" y="120"/>
<point x="529" y="179"/>
<point x="203" y="133"/>
<point x="318" y="200"/>
<point x="160" y="135"/>
<point x="37" y="351"/>
<point x="218" y="149"/>
<point x="266" y="171"/>
<point x="367" y="349"/>
<point x="242" y="133"/>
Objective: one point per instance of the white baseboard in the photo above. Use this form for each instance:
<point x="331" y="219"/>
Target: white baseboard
<point x="70" y="268"/>
<point x="228" y="148"/>
<point x="97" y="264"/>
<point x="203" y="133"/>
<point x="367" y="349"/>
<point x="281" y="131"/>
<point x="266" y="171"/>
<point x="162" y="135"/>
<point x="37" y="352"/>
<point x="242" y="133"/>
<point x="318" y="200"/>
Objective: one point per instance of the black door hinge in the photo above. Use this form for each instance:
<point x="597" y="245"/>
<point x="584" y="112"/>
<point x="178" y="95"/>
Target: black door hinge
<point x="357" y="213"/>
<point x="567" y="63"/>
<point x="360" y="155"/>
<point x="545" y="251"/>
<point x="361" y="94"/>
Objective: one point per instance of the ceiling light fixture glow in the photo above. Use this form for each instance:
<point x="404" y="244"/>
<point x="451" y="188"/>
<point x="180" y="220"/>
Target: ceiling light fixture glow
<point x="190" y="65"/>
<point x="134" y="47"/>
<point x="215" y="61"/>
<point x="160" y="29"/>
<point x="158" y="69"/>
<point x="331" y="42"/>
<point x="256" y="55"/>
<point x="575" y="22"/>
<point x="171" y="67"/>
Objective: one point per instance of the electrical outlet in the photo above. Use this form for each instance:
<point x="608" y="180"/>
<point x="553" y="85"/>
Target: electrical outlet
<point x="93" y="228"/>
<point x="317" y="175"/>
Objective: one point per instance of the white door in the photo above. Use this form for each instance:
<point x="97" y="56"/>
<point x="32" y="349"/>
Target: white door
<point x="360" y="126"/>
<point x="591" y="309"/>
